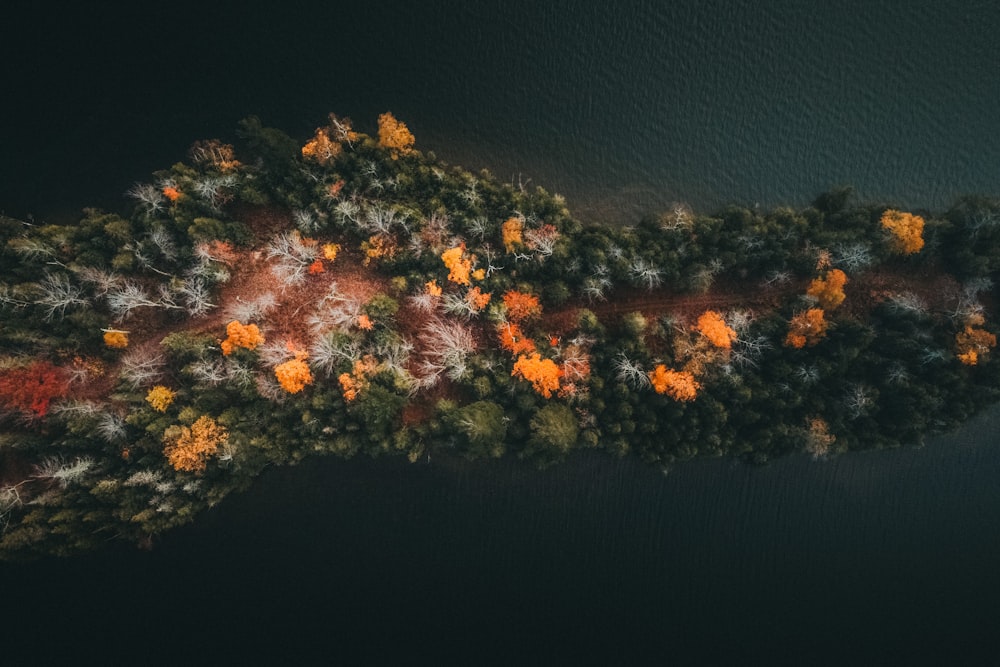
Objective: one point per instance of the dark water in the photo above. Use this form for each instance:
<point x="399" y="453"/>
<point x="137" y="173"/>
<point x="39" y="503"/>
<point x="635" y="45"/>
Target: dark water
<point x="883" y="558"/>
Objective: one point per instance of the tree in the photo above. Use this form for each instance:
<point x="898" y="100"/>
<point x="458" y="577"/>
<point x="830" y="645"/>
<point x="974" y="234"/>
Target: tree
<point x="806" y="328"/>
<point x="321" y="148"/>
<point x="714" y="328"/>
<point x="247" y="336"/>
<point x="294" y="374"/>
<point x="483" y="424"/>
<point x="521" y="305"/>
<point x="829" y="289"/>
<point x="394" y="135"/>
<point x="513" y="339"/>
<point x="973" y="343"/>
<point x="543" y="374"/>
<point x="29" y="389"/>
<point x="459" y="266"/>
<point x="678" y="385"/>
<point x="554" y="426"/>
<point x="906" y="230"/>
<point x="511" y="233"/>
<point x="160" y="398"/>
<point x="188" y="449"/>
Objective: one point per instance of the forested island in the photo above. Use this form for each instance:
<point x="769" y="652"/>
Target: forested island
<point x="354" y="295"/>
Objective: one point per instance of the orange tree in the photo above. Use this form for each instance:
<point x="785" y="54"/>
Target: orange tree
<point x="188" y="449"/>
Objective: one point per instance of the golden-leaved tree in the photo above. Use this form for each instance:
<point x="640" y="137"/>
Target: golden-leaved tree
<point x="394" y="135"/>
<point x="828" y="290"/>
<point x="188" y="449"/>
<point x="906" y="229"/>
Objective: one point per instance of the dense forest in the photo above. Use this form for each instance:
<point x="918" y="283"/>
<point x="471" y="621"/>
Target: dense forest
<point x="353" y="295"/>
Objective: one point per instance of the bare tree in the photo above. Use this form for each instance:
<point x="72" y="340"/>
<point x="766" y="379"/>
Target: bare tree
<point x="630" y="372"/>
<point x="58" y="293"/>
<point x="149" y="196"/>
<point x="141" y="366"/>
<point x="645" y="273"/>
<point x="65" y="473"/>
<point x="292" y="257"/>
<point x="446" y="346"/>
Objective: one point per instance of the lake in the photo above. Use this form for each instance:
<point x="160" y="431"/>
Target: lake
<point x="876" y="558"/>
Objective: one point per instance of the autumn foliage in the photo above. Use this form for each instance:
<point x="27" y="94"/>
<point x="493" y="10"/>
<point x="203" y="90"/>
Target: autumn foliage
<point x="678" y="385"/>
<point x="353" y="383"/>
<point x="116" y="339"/>
<point x="241" y="335"/>
<point x="973" y="343"/>
<point x="321" y="148"/>
<point x="459" y="266"/>
<point x="513" y="339"/>
<point x="521" y="306"/>
<point x="543" y="374"/>
<point x="394" y="135"/>
<point x="906" y="230"/>
<point x="806" y="328"/>
<point x="477" y="299"/>
<point x="714" y="328"/>
<point x="294" y="374"/>
<point x="160" y="398"/>
<point x="188" y="449"/>
<point x="828" y="290"/>
<point x="511" y="233"/>
<point x="29" y="389"/>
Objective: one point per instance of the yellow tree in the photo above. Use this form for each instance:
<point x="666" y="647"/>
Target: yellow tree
<point x="511" y="233"/>
<point x="906" y="229"/>
<point x="160" y="398"/>
<point x="828" y="290"/>
<point x="188" y="449"/>
<point x="394" y="135"/>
